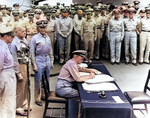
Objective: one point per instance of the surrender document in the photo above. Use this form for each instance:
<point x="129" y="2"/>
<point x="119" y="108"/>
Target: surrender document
<point x="100" y="79"/>
<point x="99" y="87"/>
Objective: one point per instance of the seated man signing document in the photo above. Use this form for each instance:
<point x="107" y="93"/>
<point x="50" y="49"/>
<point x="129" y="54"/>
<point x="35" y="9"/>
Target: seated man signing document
<point x="69" y="75"/>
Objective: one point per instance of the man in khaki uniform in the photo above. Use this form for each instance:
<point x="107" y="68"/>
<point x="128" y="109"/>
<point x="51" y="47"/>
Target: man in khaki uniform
<point x="30" y="26"/>
<point x="88" y="34"/>
<point x="144" y="30"/>
<point x="50" y="30"/>
<point x="37" y="16"/>
<point x="5" y="18"/>
<point x="16" y="22"/>
<point x="18" y="49"/>
<point x="100" y="29"/>
<point x="77" y="29"/>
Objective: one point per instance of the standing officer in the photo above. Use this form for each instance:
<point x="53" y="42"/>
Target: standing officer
<point x="41" y="57"/>
<point x="7" y="76"/>
<point x="50" y="30"/>
<point x="130" y="40"/>
<point x="30" y="26"/>
<point x="6" y="18"/>
<point x="115" y="32"/>
<point x="88" y="34"/>
<point x="19" y="50"/>
<point x="144" y="30"/>
<point x="64" y="29"/>
<point x="100" y="29"/>
<point x="77" y="29"/>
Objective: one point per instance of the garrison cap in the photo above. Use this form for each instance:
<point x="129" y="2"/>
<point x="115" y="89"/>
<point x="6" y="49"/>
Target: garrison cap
<point x="136" y="2"/>
<point x="16" y="5"/>
<point x="99" y="1"/>
<point x="38" y="11"/>
<point x="80" y="53"/>
<point x="42" y="23"/>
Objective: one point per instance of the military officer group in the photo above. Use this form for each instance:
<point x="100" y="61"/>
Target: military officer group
<point x="41" y="34"/>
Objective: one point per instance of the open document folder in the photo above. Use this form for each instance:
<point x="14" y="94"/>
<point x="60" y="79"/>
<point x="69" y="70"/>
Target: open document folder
<point x="99" y="87"/>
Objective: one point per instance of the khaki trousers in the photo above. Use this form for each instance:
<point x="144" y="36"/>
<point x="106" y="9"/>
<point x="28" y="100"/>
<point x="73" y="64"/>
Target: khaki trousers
<point x="88" y="39"/>
<point x="97" y="43"/>
<point x="144" y="46"/>
<point x="52" y="37"/>
<point x="22" y="86"/>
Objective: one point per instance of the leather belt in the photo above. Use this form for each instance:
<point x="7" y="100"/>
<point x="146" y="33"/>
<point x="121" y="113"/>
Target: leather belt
<point x="130" y="30"/>
<point x="44" y="55"/>
<point x="145" y="31"/>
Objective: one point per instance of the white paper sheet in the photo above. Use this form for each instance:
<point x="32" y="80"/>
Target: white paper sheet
<point x="99" y="87"/>
<point x="117" y="99"/>
<point x="83" y="65"/>
<point x="100" y="78"/>
<point x="84" y="73"/>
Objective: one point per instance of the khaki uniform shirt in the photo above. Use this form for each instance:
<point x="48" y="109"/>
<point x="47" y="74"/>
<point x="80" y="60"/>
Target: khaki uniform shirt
<point x="31" y="28"/>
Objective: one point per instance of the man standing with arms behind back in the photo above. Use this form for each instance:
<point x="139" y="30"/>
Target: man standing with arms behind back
<point x="41" y="57"/>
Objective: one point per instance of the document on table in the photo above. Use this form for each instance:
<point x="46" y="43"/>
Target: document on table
<point x="83" y="65"/>
<point x="99" y="87"/>
<point x="100" y="79"/>
<point x="117" y="99"/>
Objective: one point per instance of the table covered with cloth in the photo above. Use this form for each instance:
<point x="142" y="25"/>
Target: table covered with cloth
<point x="92" y="106"/>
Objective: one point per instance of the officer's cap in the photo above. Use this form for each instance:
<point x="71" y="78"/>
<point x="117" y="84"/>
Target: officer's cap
<point x="16" y="5"/>
<point x="131" y="10"/>
<point x="88" y="12"/>
<point x="80" y="53"/>
<point x="53" y="11"/>
<point x="103" y="7"/>
<point x="96" y="8"/>
<point x="42" y="23"/>
<point x="99" y="1"/>
<point x="147" y="10"/>
<point x="142" y="11"/>
<point x="3" y="6"/>
<point x="64" y="10"/>
<point x="38" y="11"/>
<point x="4" y="30"/>
<point x="125" y="3"/>
<point x="15" y="13"/>
<point x="88" y="4"/>
<point x="136" y="2"/>
<point x="9" y="8"/>
<point x="30" y="12"/>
